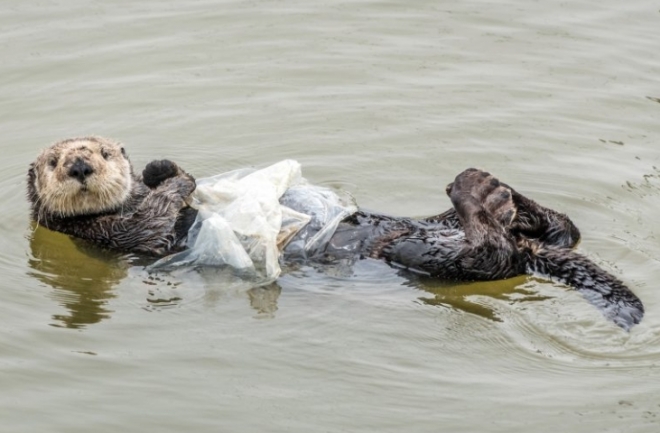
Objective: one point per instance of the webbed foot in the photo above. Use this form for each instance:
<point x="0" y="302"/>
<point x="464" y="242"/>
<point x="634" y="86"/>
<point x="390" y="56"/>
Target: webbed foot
<point x="495" y="196"/>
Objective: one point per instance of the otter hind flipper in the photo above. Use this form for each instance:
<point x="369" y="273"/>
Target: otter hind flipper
<point x="606" y="292"/>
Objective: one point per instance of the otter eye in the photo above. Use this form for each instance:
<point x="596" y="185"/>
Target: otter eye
<point x="105" y="154"/>
<point x="52" y="162"/>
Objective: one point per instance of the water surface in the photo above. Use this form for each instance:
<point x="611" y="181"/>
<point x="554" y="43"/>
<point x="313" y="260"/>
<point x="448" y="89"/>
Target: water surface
<point x="385" y="99"/>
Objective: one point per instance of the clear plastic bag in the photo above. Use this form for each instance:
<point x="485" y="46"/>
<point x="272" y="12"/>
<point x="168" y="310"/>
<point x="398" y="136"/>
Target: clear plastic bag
<point x="326" y="210"/>
<point x="247" y="217"/>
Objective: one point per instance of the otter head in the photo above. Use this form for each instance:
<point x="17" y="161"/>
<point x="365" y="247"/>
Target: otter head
<point x="79" y="176"/>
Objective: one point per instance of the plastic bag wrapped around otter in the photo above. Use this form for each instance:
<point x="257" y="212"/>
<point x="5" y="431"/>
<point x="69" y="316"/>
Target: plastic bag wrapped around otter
<point x="326" y="210"/>
<point x="247" y="217"/>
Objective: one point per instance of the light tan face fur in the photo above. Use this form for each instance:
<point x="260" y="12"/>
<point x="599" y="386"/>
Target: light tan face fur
<point x="106" y="188"/>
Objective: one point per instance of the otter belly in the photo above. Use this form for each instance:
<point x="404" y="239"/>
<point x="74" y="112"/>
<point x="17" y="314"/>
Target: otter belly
<point x="326" y="210"/>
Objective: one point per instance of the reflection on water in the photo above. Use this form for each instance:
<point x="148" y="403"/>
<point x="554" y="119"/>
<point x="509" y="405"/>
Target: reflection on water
<point x="186" y="285"/>
<point x="462" y="296"/>
<point x="83" y="277"/>
<point x="388" y="99"/>
<point x="376" y="277"/>
<point x="264" y="300"/>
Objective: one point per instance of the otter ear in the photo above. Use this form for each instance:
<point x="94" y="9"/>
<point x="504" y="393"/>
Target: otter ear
<point x="123" y="152"/>
<point x="31" y="182"/>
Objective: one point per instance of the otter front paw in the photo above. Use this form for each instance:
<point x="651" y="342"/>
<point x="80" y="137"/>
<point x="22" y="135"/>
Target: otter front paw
<point x="157" y="171"/>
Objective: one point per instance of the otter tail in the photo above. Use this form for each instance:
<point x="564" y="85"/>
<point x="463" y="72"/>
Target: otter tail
<point x="601" y="289"/>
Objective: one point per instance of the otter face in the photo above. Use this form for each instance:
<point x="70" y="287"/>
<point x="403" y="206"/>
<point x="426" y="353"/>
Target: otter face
<point x="80" y="176"/>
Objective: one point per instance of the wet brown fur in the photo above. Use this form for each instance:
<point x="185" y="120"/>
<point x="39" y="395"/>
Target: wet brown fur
<point x="85" y="187"/>
<point x="110" y="205"/>
<point x="492" y="232"/>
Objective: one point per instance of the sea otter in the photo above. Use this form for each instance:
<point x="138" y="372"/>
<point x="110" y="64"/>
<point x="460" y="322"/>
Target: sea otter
<point x="86" y="187"/>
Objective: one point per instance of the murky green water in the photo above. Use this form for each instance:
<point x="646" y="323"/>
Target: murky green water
<point x="388" y="100"/>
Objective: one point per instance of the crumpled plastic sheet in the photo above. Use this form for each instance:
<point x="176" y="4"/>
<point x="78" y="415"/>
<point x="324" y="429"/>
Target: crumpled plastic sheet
<point x="248" y="217"/>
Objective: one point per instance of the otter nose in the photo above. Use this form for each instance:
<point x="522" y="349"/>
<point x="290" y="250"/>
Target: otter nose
<point x="80" y="170"/>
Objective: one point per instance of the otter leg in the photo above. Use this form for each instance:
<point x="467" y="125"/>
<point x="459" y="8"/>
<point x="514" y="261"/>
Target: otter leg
<point x="529" y="220"/>
<point x="485" y="251"/>
<point x="521" y="215"/>
<point x="478" y="198"/>
<point x="496" y="198"/>
<point x="541" y="224"/>
<point x="603" y="290"/>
